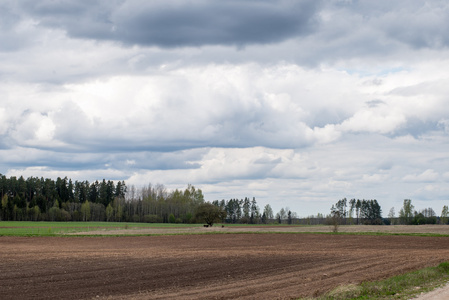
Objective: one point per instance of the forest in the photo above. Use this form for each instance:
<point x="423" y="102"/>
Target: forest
<point x="39" y="199"/>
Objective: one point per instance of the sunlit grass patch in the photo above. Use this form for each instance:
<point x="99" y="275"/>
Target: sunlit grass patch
<point x="397" y="287"/>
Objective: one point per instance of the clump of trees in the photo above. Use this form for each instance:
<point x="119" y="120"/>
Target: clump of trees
<point x="366" y="212"/>
<point x="155" y="204"/>
<point x="246" y="211"/>
<point x="286" y="215"/>
<point x="409" y="216"/>
<point x="406" y="212"/>
<point x="369" y="212"/>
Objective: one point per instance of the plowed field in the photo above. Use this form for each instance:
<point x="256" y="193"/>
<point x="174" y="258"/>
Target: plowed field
<point x="222" y="266"/>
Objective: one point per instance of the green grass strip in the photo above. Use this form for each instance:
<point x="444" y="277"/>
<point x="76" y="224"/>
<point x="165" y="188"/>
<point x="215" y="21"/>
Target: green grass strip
<point x="398" y="287"/>
<point x="28" y="228"/>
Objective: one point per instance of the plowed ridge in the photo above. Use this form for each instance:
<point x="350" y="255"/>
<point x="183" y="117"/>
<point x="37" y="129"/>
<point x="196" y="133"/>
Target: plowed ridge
<point x="224" y="266"/>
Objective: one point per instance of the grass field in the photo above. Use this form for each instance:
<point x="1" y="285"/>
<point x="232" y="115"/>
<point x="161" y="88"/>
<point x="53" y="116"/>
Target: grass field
<point x="28" y="228"/>
<point x="17" y="228"/>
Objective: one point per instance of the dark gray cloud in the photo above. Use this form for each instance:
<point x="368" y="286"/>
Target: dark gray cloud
<point x="83" y="19"/>
<point x="213" y="22"/>
<point x="129" y="162"/>
<point x="307" y="33"/>
<point x="179" y="23"/>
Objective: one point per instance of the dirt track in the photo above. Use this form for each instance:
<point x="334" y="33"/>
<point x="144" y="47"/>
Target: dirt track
<point x="252" y="266"/>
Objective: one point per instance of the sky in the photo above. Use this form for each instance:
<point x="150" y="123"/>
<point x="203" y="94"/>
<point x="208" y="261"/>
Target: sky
<point x="296" y="103"/>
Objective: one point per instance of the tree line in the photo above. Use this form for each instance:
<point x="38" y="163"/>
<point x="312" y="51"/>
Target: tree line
<point x="39" y="199"/>
<point x="358" y="211"/>
<point x="45" y="199"/>
<point x="409" y="216"/>
<point x="246" y="211"/>
<point x="369" y="212"/>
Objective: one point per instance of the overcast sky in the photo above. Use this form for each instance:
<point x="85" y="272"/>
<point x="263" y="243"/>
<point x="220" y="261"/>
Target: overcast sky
<point x="296" y="103"/>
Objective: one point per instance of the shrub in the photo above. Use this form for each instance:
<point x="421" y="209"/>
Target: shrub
<point x="136" y="218"/>
<point x="64" y="216"/>
<point x="209" y="213"/>
<point x="171" y="218"/>
<point x="444" y="267"/>
<point x="152" y="219"/>
<point x="188" y="218"/>
<point x="244" y="220"/>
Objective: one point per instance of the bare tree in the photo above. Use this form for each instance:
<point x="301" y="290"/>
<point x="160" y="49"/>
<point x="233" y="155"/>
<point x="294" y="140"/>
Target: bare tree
<point x="406" y="212"/>
<point x="391" y="216"/>
<point x="268" y="211"/>
<point x="444" y="215"/>
<point x="283" y="214"/>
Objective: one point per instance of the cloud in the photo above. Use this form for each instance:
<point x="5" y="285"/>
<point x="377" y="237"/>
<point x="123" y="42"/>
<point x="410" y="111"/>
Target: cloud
<point x="221" y="106"/>
<point x="374" y="121"/>
<point x="3" y="121"/>
<point x="422" y="29"/>
<point x="362" y="37"/>
<point x="374" y="103"/>
<point x="299" y="103"/>
<point x="76" y="175"/>
<point x="61" y="42"/>
<point x="200" y="23"/>
<point x="426" y="176"/>
<point x="180" y="23"/>
<point x="35" y="129"/>
<point x="281" y="106"/>
<point x="13" y="33"/>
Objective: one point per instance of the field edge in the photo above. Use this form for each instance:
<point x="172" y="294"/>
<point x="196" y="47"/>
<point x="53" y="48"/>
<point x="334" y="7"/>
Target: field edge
<point x="405" y="286"/>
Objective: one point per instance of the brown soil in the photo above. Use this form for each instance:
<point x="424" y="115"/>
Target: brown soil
<point x="224" y="266"/>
